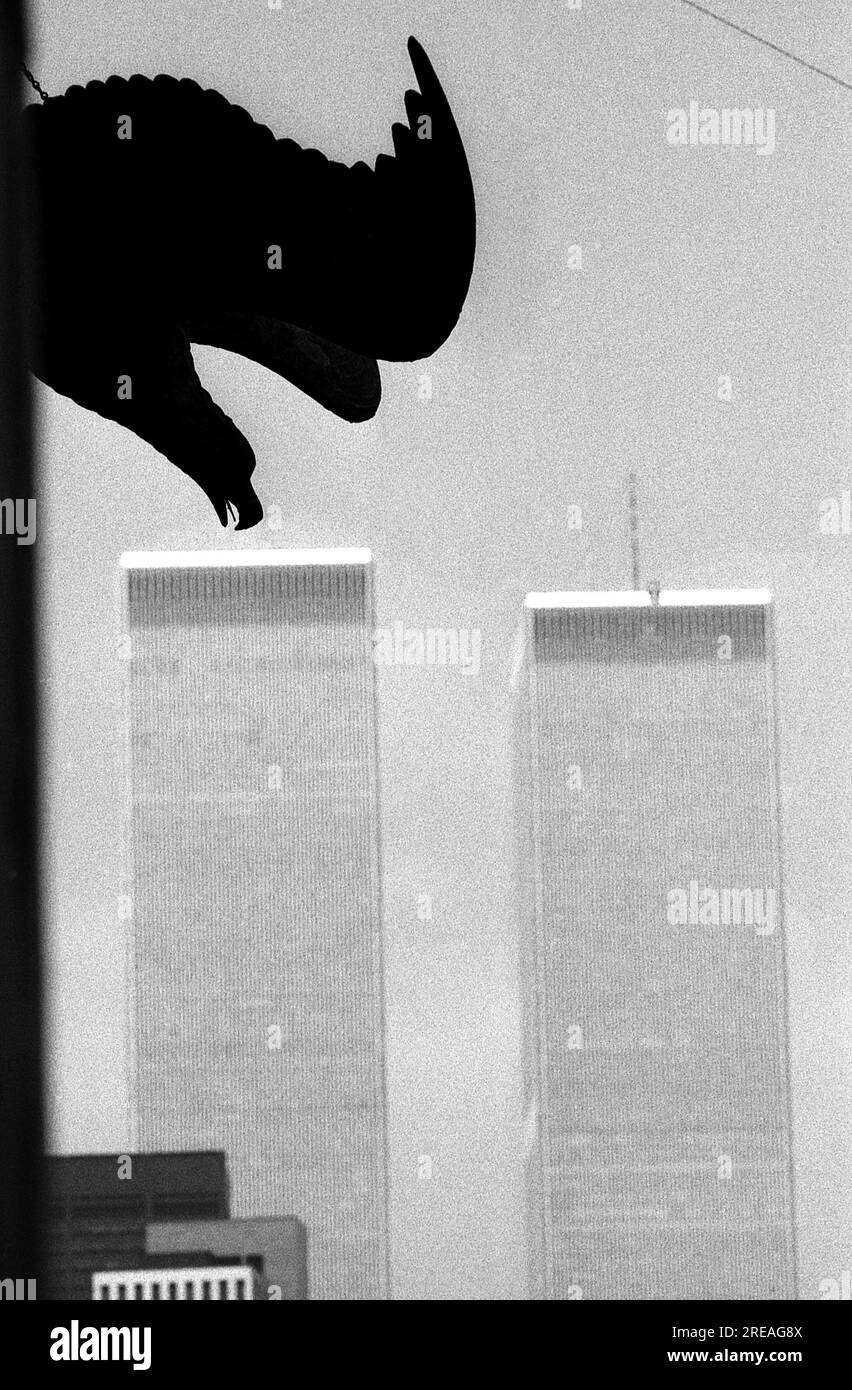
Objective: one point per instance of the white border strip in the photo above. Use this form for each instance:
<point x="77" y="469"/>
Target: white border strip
<point x="216" y="559"/>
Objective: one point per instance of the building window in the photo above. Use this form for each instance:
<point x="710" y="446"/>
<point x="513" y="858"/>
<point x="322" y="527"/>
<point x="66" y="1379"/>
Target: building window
<point x="122" y="1290"/>
<point x="223" y="1288"/>
<point x="156" y="1289"/>
<point x="205" y="1289"/>
<point x="189" y="1289"/>
<point x="173" y="1290"/>
<point x="104" y="1293"/>
<point x="138" y="1291"/>
<point x="240" y="1288"/>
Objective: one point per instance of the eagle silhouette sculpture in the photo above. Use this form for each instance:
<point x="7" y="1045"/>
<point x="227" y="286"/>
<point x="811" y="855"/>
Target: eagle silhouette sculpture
<point x="168" y="216"/>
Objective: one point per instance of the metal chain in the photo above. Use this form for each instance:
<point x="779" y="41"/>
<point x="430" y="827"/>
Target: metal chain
<point x="28" y="75"/>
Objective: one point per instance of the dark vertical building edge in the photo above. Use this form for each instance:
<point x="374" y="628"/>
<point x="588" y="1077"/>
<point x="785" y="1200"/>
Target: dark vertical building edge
<point x="21" y="1120"/>
<point x="772" y="668"/>
<point x="370" y="605"/>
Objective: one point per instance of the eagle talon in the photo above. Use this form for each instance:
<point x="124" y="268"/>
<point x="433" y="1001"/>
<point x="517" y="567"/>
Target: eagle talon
<point x="250" y="511"/>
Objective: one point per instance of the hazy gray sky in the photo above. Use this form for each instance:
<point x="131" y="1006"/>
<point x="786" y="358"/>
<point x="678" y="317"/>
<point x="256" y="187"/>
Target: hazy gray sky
<point x="696" y="263"/>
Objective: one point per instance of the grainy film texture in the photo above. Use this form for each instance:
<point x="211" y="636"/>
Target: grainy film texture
<point x="659" y="1161"/>
<point x="257" y="962"/>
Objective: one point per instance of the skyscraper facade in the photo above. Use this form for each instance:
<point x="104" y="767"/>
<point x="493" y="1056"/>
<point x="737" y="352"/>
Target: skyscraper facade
<point x="653" y="961"/>
<point x="256" y="973"/>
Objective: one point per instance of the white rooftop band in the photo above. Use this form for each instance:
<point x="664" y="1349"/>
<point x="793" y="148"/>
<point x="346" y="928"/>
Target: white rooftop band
<point x="629" y="598"/>
<point x="679" y="598"/>
<point x="640" y="598"/>
<point x="216" y="559"/>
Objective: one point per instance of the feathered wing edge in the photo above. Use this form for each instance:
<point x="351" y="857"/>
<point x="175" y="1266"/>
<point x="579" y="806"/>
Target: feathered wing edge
<point x="398" y="241"/>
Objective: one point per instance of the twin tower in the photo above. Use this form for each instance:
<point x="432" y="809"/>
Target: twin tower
<point x="652" y="962"/>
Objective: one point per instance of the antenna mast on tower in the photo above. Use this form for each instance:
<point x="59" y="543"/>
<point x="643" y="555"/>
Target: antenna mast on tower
<point x="633" y="512"/>
<point x="652" y="586"/>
